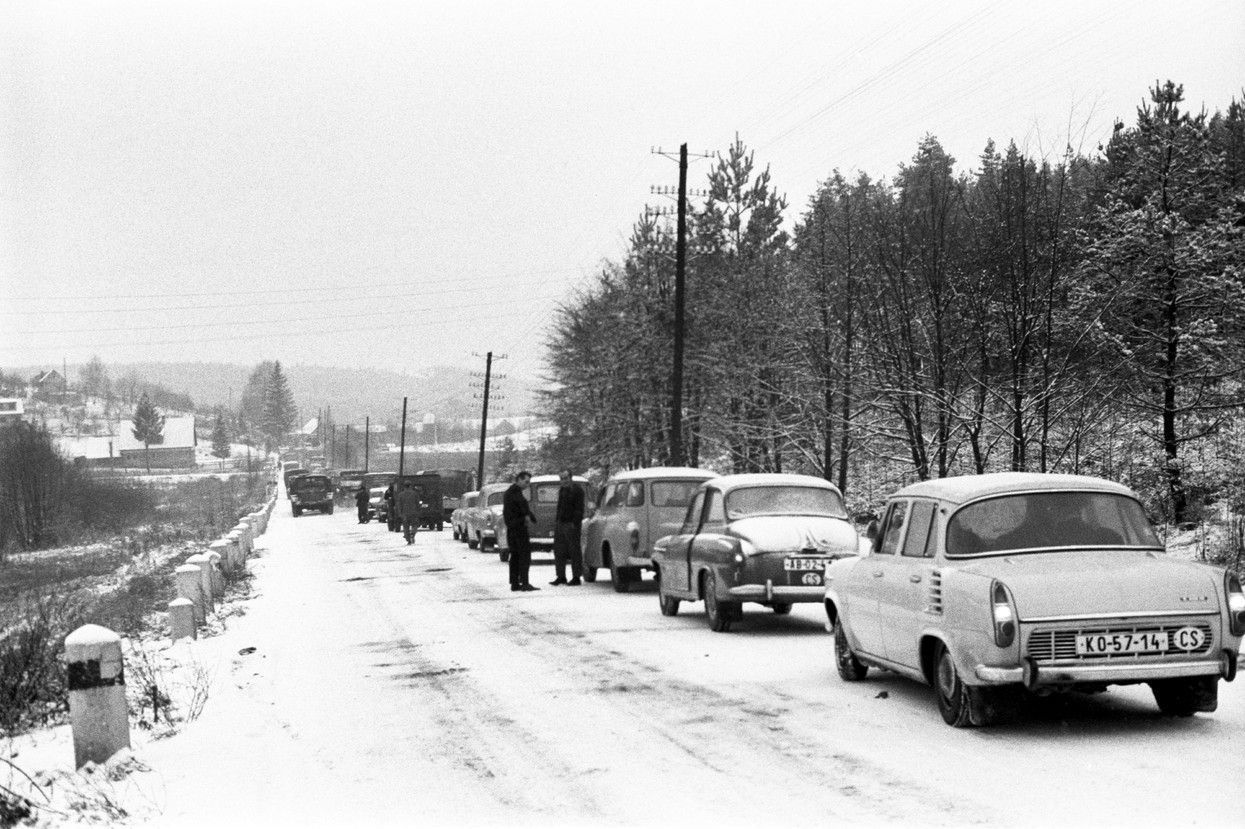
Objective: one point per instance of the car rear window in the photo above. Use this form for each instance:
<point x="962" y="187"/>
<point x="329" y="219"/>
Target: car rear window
<point x="673" y="493"/>
<point x="312" y="482"/>
<point x="1049" y="520"/>
<point x="547" y="493"/>
<point x="496" y="499"/>
<point x="784" y="500"/>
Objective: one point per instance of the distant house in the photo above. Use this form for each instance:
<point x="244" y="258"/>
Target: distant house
<point x="48" y="386"/>
<point x="176" y="451"/>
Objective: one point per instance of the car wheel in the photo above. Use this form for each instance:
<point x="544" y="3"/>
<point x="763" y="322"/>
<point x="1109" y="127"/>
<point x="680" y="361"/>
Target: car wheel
<point x="669" y="604"/>
<point x="473" y="542"/>
<point x="297" y="512"/>
<point x="720" y="614"/>
<point x="485" y="544"/>
<point x="1185" y="697"/>
<point x="329" y="511"/>
<point x="504" y="555"/>
<point x="957" y="701"/>
<point x="850" y="668"/>
<point x="619" y="577"/>
<point x="440" y="526"/>
<point x="454" y="534"/>
<point x="781" y="609"/>
<point x="589" y="573"/>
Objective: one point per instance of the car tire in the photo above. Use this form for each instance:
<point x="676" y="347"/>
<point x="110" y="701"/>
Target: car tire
<point x="440" y="526"/>
<point x="504" y="555"/>
<point x="669" y="604"/>
<point x="329" y="511"/>
<point x="720" y="614"/>
<point x="454" y="534"/>
<point x="851" y="669"/>
<point x="297" y="512"/>
<point x="961" y="705"/>
<point x="1185" y="697"/>
<point x="589" y="573"/>
<point x="485" y="544"/>
<point x="473" y="543"/>
<point x="780" y="609"/>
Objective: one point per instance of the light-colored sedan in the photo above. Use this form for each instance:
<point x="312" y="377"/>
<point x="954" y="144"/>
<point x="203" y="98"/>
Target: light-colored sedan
<point x="484" y="519"/>
<point x="991" y="586"/>
<point x="764" y="538"/>
<point x="458" y="518"/>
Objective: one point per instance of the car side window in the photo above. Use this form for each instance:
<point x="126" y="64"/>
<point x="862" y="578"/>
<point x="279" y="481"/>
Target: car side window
<point x="635" y="494"/>
<point x="892" y="532"/>
<point x="919" y="527"/>
<point x="692" y="519"/>
<point x="607" y="496"/>
<point x="715" y="512"/>
<point x="619" y="496"/>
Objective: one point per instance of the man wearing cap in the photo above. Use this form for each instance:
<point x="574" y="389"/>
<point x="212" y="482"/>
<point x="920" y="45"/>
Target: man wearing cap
<point x="516" y="512"/>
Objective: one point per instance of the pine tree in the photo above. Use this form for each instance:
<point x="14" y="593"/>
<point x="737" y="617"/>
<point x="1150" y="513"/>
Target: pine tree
<point x="278" y="408"/>
<point x="220" y="437"/>
<point x="1167" y="255"/>
<point x="148" y="426"/>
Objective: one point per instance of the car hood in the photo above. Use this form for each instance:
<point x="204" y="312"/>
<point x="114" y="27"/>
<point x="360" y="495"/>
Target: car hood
<point x="1086" y="582"/>
<point x="793" y="533"/>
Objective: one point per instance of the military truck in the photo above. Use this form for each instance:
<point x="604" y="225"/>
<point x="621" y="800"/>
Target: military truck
<point x="431" y="510"/>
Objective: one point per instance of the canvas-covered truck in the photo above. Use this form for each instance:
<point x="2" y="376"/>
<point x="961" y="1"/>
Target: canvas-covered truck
<point x="431" y="511"/>
<point x="454" y="482"/>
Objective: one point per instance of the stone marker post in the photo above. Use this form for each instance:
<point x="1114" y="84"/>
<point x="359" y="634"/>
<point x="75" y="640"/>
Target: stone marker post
<point x="97" y="709"/>
<point x="218" y="580"/>
<point x="189" y="587"/>
<point x="182" y="619"/>
<point x="205" y="578"/>
<point x="226" y="551"/>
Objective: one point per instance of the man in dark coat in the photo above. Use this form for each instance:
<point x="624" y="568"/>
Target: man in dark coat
<point x="406" y="505"/>
<point x="361" y="498"/>
<point x="515" y="513"/>
<point x="566" y="542"/>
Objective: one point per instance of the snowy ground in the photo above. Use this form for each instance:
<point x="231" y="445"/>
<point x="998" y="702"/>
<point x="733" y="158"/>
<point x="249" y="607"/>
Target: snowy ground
<point x="396" y="685"/>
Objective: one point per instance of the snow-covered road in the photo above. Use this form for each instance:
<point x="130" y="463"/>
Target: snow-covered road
<point x="408" y="685"/>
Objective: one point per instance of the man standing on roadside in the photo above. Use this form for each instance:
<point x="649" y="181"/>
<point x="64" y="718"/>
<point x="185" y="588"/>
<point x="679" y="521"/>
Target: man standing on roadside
<point x="566" y="531"/>
<point x="406" y="505"/>
<point x="361" y="498"/>
<point x="516" y="512"/>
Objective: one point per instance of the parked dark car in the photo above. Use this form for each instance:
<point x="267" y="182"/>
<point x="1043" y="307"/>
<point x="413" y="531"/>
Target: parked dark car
<point x="311" y="492"/>
<point x="542" y="495"/>
<point x="764" y="538"/>
<point x="348" y="481"/>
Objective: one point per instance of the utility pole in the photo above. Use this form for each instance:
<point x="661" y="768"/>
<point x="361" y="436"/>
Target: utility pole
<point x="346" y="462"/>
<point x="488" y="376"/>
<point x="402" y="445"/>
<point x="680" y="271"/>
<point x="367" y="441"/>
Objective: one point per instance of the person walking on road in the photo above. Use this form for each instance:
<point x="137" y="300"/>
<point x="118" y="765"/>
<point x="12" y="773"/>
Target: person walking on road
<point x="361" y="498"/>
<point x="516" y="512"/>
<point x="406" y="505"/>
<point x="566" y="542"/>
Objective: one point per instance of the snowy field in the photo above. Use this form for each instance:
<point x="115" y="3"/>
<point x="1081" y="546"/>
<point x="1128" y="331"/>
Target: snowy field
<point x="396" y="685"/>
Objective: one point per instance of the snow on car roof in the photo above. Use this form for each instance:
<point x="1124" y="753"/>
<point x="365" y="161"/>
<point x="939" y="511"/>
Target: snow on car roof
<point x="729" y="482"/>
<point x="680" y="472"/>
<point x="553" y="479"/>
<point x="970" y="487"/>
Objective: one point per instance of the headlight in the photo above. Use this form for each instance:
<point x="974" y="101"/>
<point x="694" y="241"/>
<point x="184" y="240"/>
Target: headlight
<point x="1236" y="604"/>
<point x="1004" y="615"/>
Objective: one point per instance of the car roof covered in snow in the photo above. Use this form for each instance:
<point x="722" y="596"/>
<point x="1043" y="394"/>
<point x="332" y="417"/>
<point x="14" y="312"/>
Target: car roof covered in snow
<point x="662" y="472"/>
<point x="727" y="483"/>
<point x="965" y="488"/>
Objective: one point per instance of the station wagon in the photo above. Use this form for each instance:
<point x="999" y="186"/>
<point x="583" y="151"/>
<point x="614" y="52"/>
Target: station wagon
<point x="635" y="508"/>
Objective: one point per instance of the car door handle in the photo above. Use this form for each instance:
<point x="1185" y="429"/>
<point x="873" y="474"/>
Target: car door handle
<point x="914" y="579"/>
<point x="877" y="574"/>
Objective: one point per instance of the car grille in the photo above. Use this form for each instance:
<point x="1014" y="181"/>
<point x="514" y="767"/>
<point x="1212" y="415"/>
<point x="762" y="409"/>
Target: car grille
<point x="1059" y="644"/>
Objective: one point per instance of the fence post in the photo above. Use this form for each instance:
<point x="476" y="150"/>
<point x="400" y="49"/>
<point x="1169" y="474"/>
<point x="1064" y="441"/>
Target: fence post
<point x="205" y="579"/>
<point x="182" y="619"/>
<point x="190" y="587"/>
<point x="97" y="708"/>
<point x="227" y="552"/>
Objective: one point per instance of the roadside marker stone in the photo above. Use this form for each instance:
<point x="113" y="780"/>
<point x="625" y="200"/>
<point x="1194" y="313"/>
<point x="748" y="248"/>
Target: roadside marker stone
<point x="182" y="620"/>
<point x="97" y="707"/>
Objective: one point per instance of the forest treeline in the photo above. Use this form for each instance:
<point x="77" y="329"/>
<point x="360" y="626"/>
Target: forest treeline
<point x="1084" y="313"/>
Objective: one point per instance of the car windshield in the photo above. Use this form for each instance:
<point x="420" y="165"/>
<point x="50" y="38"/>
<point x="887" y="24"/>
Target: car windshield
<point x="311" y="482"/>
<point x="783" y="500"/>
<point x="674" y="493"/>
<point x="496" y="499"/>
<point x="1049" y="520"/>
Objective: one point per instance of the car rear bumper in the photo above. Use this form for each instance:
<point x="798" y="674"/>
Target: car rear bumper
<point x="769" y="592"/>
<point x="1045" y="675"/>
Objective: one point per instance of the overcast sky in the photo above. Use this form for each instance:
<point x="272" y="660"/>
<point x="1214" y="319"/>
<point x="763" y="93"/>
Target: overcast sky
<point x="392" y="184"/>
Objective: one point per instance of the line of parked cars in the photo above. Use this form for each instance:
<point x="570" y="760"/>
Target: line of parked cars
<point x="986" y="587"/>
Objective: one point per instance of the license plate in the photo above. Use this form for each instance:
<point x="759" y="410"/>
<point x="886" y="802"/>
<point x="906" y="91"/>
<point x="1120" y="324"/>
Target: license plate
<point x="1102" y="644"/>
<point x="801" y="564"/>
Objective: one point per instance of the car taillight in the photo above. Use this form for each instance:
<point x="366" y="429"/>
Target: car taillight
<point x="635" y="540"/>
<point x="1236" y="605"/>
<point x="1004" y="615"/>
